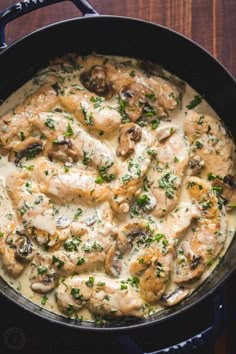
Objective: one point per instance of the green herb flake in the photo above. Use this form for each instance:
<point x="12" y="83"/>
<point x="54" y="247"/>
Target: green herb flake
<point x="195" y="102"/>
<point x="80" y="261"/>
<point x="90" y="282"/>
<point x="79" y="212"/>
<point x="155" y="123"/>
<point x="22" y="136"/>
<point x="59" y="263"/>
<point x="75" y="292"/>
<point x="50" y="123"/>
<point x="44" y="300"/>
<point x="88" y="118"/>
<point x="99" y="180"/>
<point x="72" y="245"/>
<point x="69" y="131"/>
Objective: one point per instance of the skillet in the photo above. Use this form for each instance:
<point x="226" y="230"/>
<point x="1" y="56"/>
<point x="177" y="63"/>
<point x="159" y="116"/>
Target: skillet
<point x="130" y="37"/>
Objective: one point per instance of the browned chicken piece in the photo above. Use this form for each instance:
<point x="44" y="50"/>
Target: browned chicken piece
<point x="210" y="143"/>
<point x="131" y="173"/>
<point x="33" y="208"/>
<point x="92" y="111"/>
<point x="16" y="249"/>
<point x="166" y="173"/>
<point x="206" y="238"/>
<point x="142" y="94"/>
<point x="63" y="132"/>
<point x="17" y="124"/>
<point x="101" y="295"/>
<point x="85" y="250"/>
<point x="153" y="265"/>
<point x="72" y="185"/>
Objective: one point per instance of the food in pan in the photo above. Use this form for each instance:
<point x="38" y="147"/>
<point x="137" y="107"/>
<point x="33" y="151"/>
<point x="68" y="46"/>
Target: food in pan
<point x="117" y="188"/>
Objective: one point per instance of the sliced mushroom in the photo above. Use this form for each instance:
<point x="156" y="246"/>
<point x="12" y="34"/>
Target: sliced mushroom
<point x="174" y="297"/>
<point x="194" y="264"/>
<point x="95" y="80"/>
<point x="227" y="190"/>
<point x="24" y="252"/>
<point x="46" y="284"/>
<point x="130" y="133"/>
<point x="196" y="164"/>
<point x="135" y="98"/>
<point x="43" y="276"/>
<point x="137" y="229"/>
<point x="63" y="221"/>
<point x="28" y="148"/>
<point x="195" y="260"/>
<point x="61" y="149"/>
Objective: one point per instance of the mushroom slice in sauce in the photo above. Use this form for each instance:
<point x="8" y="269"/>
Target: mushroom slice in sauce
<point x="24" y="249"/>
<point x="174" y="297"/>
<point x="95" y="80"/>
<point x="28" y="148"/>
<point x="196" y="164"/>
<point x="43" y="276"/>
<point x="61" y="150"/>
<point x="135" y="99"/>
<point x="136" y="230"/>
<point x="226" y="189"/>
<point x="130" y="133"/>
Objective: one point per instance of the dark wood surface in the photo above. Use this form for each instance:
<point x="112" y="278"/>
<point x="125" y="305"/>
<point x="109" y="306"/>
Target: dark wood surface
<point x="210" y="23"/>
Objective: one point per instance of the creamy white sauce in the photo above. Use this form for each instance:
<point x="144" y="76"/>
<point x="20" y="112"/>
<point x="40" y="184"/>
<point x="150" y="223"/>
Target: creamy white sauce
<point x="22" y="283"/>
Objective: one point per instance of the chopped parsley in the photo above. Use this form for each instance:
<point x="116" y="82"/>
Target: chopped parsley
<point x="155" y="123"/>
<point x="69" y="131"/>
<point x="59" y="263"/>
<point x="80" y="261"/>
<point x="50" y="123"/>
<point x="90" y="282"/>
<point x="75" y="292"/>
<point x="22" y="136"/>
<point x="72" y="245"/>
<point x="88" y="118"/>
<point x="97" y="101"/>
<point x="195" y="102"/>
<point x="167" y="182"/>
<point x="79" y="212"/>
<point x="44" y="300"/>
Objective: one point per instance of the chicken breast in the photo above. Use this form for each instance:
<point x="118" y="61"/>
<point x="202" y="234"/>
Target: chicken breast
<point x="206" y="238"/>
<point x="101" y="295"/>
<point x="17" y="124"/>
<point x="34" y="209"/>
<point x="70" y="185"/>
<point x="8" y="236"/>
<point x="167" y="170"/>
<point x="153" y="265"/>
<point x="61" y="131"/>
<point x="210" y="143"/>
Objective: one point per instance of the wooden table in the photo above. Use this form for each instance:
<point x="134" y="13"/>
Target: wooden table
<point x="211" y="23"/>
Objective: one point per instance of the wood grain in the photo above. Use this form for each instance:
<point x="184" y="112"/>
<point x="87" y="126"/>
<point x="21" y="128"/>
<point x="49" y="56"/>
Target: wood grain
<point x="210" y="23"/>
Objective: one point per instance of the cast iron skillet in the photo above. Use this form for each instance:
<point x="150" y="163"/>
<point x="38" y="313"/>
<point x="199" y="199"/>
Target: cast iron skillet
<point x="130" y="37"/>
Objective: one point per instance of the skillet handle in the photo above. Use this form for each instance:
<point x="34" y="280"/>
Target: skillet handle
<point x="25" y="6"/>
